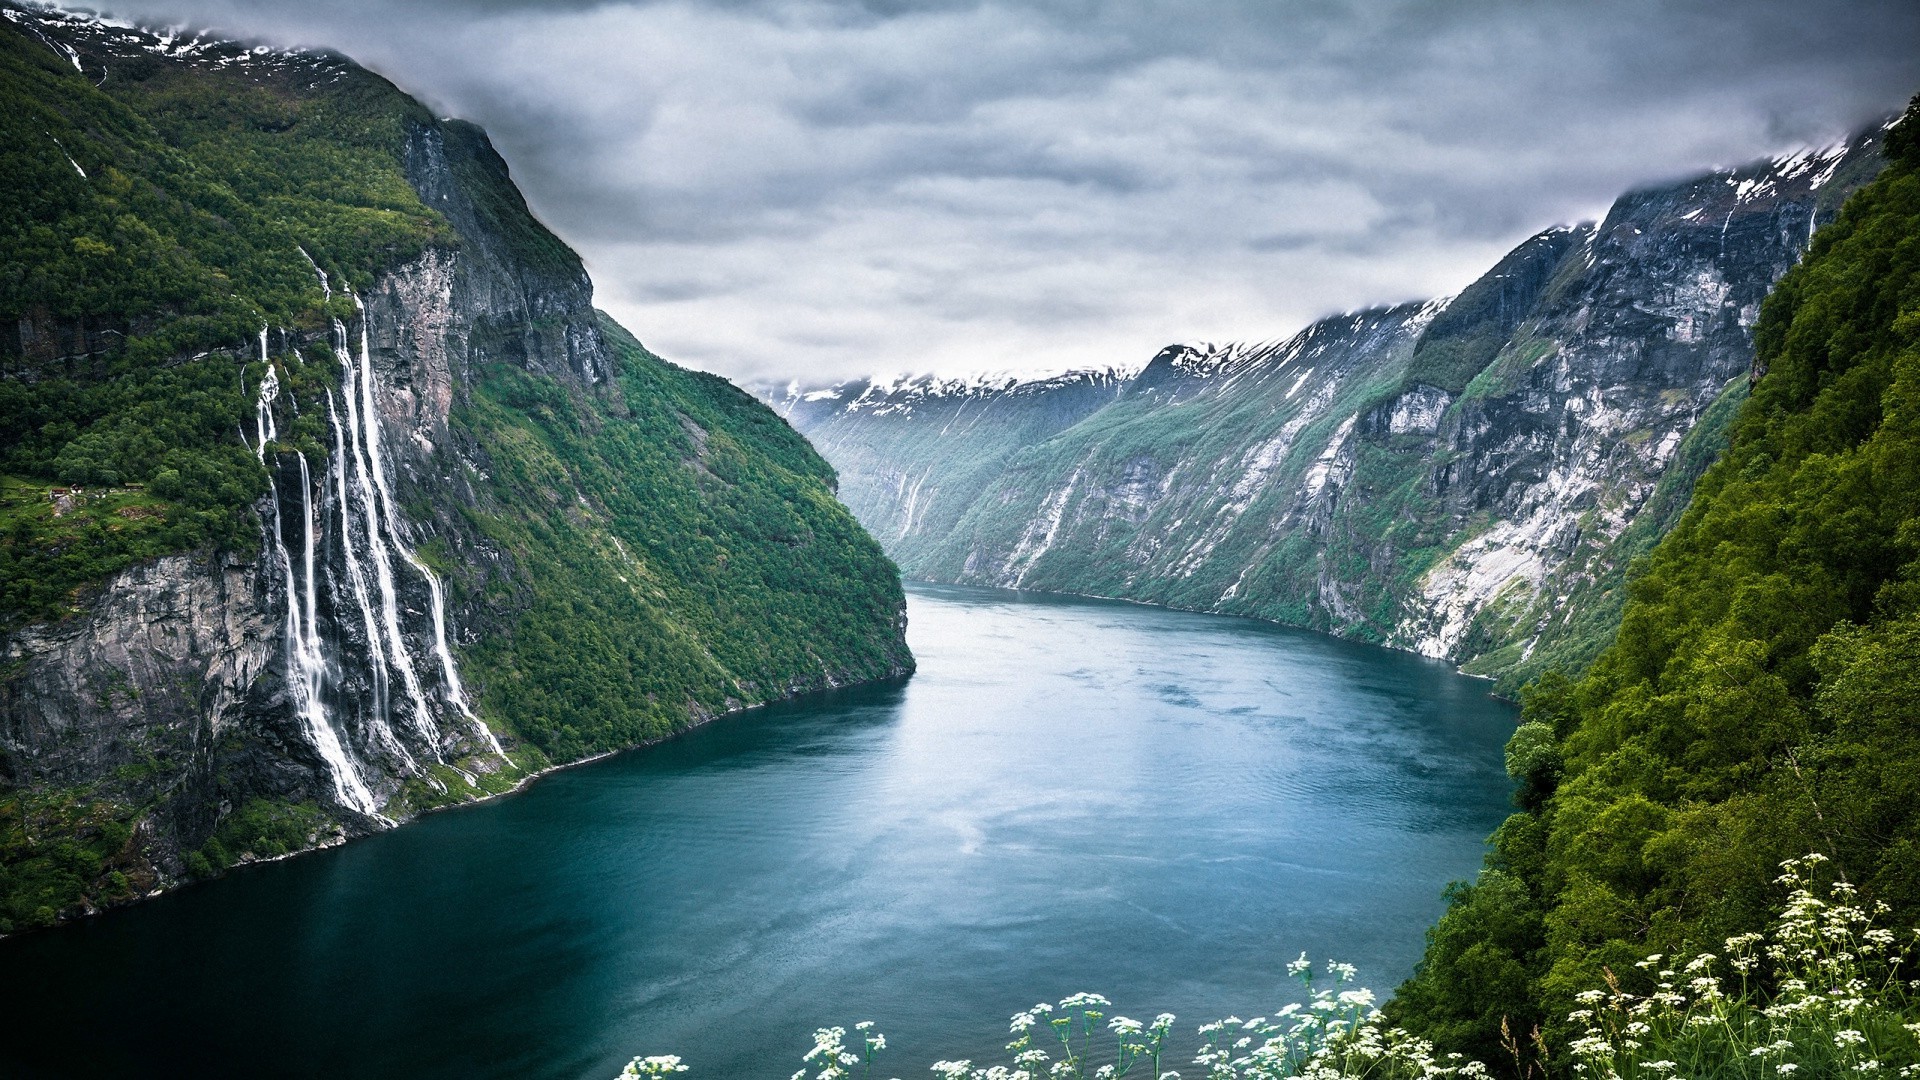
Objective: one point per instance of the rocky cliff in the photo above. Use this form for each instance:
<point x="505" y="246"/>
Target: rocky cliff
<point x="429" y="525"/>
<point x="1468" y="477"/>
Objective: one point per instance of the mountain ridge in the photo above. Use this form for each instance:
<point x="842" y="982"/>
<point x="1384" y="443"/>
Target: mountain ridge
<point x="1472" y="488"/>
<point x="1758" y="700"/>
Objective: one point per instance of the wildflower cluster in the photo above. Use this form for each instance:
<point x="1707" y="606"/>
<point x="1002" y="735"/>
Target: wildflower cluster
<point x="831" y="1056"/>
<point x="1336" y="1033"/>
<point x="1824" y="993"/>
<point x="660" y="1065"/>
<point x="1072" y="1030"/>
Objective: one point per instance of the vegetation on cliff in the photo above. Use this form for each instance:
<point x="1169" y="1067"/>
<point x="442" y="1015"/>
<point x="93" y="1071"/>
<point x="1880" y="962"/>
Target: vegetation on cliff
<point x="154" y="223"/>
<point x="1762" y="697"/>
<point x="702" y="561"/>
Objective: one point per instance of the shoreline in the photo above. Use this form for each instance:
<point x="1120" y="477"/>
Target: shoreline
<point x="340" y="837"/>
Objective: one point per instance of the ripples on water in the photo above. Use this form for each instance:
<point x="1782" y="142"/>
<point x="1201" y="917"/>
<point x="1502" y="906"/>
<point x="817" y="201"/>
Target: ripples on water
<point x="1069" y="795"/>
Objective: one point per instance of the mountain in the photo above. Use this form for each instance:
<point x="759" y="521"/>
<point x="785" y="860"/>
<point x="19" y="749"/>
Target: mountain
<point x="1469" y="477"/>
<point x="1762" y="697"/>
<point x="328" y="498"/>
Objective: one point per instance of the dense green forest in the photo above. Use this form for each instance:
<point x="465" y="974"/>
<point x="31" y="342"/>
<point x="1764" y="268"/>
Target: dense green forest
<point x="1762" y="698"/>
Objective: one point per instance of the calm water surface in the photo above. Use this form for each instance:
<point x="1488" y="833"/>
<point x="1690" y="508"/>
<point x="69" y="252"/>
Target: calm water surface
<point x="1070" y="795"/>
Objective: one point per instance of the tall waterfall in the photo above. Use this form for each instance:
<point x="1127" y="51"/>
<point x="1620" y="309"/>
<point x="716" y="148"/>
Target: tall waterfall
<point x="371" y="548"/>
<point x="306" y="661"/>
<point x="373" y="525"/>
<point x="372" y="545"/>
<point x="362" y="444"/>
<point x="456" y="692"/>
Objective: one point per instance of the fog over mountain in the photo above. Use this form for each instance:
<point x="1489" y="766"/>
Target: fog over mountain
<point x="775" y="188"/>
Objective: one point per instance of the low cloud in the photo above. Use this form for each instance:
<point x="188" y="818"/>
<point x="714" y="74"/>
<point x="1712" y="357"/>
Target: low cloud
<point x="800" y="188"/>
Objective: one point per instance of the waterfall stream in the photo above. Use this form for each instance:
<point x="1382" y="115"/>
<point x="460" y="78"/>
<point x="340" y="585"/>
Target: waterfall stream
<point x="306" y="658"/>
<point x="363" y="447"/>
<point x="372" y="541"/>
<point x="455" y="692"/>
<point x="356" y="586"/>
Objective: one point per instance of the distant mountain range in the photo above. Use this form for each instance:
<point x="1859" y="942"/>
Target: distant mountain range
<point x="1468" y="477"/>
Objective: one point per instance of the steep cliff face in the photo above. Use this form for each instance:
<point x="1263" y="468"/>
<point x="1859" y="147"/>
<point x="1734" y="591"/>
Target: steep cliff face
<point x="1468" y="478"/>
<point x="1584" y="429"/>
<point x="444" y="524"/>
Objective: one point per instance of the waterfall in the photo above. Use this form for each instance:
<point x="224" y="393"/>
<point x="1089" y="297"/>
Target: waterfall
<point x="359" y="436"/>
<point x="264" y="429"/>
<point x="306" y="660"/>
<point x="371" y="544"/>
<point x="356" y="577"/>
<point x="356" y="586"/>
<point x="326" y="286"/>
<point x="368" y="459"/>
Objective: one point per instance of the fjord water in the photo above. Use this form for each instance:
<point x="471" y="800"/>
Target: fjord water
<point x="1162" y="807"/>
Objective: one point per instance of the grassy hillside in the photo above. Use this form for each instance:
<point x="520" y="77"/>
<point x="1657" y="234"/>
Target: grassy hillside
<point x="1762" y="697"/>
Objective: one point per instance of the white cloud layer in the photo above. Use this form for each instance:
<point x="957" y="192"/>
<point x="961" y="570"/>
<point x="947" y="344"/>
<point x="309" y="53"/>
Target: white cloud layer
<point x="814" y="189"/>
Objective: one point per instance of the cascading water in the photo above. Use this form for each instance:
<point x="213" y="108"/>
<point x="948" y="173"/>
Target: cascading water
<point x="306" y="660"/>
<point x="264" y="429"/>
<point x="438" y="604"/>
<point x="356" y="575"/>
<point x="358" y="438"/>
<point x="370" y="516"/>
<point x="371" y="536"/>
<point x="326" y="286"/>
<point x="356" y="586"/>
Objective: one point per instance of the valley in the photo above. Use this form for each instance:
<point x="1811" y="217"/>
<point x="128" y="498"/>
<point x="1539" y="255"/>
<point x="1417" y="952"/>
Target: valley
<point x="405" y="671"/>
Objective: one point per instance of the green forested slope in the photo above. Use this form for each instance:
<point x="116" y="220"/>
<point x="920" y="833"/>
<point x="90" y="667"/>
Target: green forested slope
<point x="1762" y="698"/>
<point x="701" y="562"/>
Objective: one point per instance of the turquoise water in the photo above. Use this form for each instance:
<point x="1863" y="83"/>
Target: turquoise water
<point x="1070" y="795"/>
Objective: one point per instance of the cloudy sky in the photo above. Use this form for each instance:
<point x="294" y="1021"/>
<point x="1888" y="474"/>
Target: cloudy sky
<point x="817" y="188"/>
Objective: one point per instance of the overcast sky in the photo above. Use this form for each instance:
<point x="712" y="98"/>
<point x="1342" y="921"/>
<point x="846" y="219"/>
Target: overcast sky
<point x="798" y="188"/>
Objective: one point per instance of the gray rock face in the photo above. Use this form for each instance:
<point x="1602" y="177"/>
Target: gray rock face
<point x="171" y="659"/>
<point x="1467" y="478"/>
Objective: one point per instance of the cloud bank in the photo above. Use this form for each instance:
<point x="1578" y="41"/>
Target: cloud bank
<point x="775" y="189"/>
